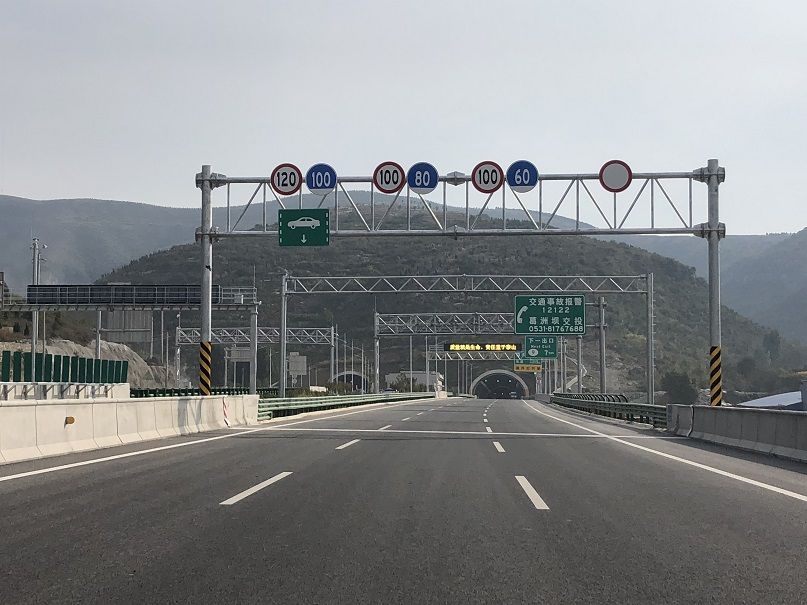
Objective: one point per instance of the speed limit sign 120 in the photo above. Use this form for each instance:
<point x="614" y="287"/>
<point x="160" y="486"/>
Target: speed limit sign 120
<point x="487" y="177"/>
<point x="286" y="179"/>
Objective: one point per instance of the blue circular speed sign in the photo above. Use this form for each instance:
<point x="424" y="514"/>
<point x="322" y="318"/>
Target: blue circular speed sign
<point x="522" y="176"/>
<point x="422" y="178"/>
<point x="320" y="179"/>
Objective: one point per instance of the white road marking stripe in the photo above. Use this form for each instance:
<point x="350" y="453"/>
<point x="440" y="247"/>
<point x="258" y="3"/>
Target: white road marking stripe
<point x="536" y="500"/>
<point x="484" y="420"/>
<point x="488" y="429"/>
<point x="498" y="447"/>
<point x="348" y="444"/>
<point x="248" y="492"/>
<point x="686" y="461"/>
<point x="384" y="428"/>
<point x="63" y="467"/>
<point x="418" y="414"/>
<point x="405" y="419"/>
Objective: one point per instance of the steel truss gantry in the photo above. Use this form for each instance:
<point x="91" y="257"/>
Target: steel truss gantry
<point x="241" y="336"/>
<point x="650" y="190"/>
<point x="443" y="284"/>
<point x="412" y="284"/>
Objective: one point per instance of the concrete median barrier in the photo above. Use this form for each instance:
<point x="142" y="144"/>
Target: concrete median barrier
<point x="32" y="429"/>
<point x="18" y="432"/>
<point x="781" y="433"/>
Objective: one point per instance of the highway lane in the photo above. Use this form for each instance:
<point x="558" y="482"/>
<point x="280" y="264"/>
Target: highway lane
<point x="427" y="510"/>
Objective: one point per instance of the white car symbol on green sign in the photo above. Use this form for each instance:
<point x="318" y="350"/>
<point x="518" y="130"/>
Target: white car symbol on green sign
<point x="304" y="221"/>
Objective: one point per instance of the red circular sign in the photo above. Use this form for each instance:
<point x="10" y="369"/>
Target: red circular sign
<point x="286" y="179"/>
<point x="615" y="176"/>
<point x="389" y="177"/>
<point x="487" y="176"/>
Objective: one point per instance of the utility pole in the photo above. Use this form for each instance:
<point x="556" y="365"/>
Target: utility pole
<point x="206" y="237"/>
<point x="36" y="247"/>
<point x="601" y="304"/>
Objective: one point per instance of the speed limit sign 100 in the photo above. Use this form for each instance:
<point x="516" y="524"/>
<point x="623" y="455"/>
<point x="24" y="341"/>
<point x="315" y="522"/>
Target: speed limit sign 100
<point x="286" y="179"/>
<point x="389" y="177"/>
<point x="487" y="177"/>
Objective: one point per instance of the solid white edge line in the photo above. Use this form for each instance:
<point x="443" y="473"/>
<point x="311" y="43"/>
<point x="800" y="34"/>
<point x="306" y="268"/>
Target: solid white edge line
<point x="686" y="461"/>
<point x="348" y="444"/>
<point x="384" y="428"/>
<point x="536" y="500"/>
<point x="248" y="492"/>
<point x="63" y="467"/>
<point x="498" y="447"/>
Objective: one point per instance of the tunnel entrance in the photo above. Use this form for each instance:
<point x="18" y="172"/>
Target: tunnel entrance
<point x="499" y="384"/>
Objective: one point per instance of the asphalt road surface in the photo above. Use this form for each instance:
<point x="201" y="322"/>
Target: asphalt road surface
<point x="432" y="501"/>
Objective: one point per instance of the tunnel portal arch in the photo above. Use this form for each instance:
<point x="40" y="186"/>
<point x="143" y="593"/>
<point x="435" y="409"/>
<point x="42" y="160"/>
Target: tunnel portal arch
<point x="501" y="391"/>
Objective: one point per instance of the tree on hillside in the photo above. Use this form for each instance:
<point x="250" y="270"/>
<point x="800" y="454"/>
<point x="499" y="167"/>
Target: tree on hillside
<point x="679" y="387"/>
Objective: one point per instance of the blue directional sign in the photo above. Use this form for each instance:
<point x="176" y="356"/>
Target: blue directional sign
<point x="422" y="178"/>
<point x="522" y="176"/>
<point x="320" y="179"/>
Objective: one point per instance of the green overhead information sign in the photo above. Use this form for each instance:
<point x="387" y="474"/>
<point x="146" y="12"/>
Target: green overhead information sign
<point x="552" y="314"/>
<point x="304" y="226"/>
<point x="541" y="347"/>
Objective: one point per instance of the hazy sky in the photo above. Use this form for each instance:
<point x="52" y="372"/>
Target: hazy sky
<point x="125" y="100"/>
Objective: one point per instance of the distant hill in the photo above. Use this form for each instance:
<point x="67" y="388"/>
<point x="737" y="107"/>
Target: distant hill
<point x="772" y="286"/>
<point x="681" y="297"/>
<point x="88" y="237"/>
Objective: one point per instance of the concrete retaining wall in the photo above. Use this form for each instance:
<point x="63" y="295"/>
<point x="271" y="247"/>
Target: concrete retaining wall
<point x="779" y="432"/>
<point x="37" y="428"/>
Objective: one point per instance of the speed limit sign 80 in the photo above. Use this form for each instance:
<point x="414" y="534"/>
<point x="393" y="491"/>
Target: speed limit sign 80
<point x="487" y="177"/>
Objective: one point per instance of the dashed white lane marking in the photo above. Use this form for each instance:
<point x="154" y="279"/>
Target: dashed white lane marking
<point x="248" y="492"/>
<point x="484" y="420"/>
<point x="418" y="414"/>
<point x="498" y="447"/>
<point x="536" y="500"/>
<point x="686" y="461"/>
<point x="405" y="419"/>
<point x="63" y="467"/>
<point x="487" y="428"/>
<point x="383" y="428"/>
<point x="348" y="444"/>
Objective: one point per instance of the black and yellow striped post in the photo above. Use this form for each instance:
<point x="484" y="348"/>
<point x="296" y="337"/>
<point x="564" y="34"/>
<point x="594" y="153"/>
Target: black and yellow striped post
<point x="715" y="376"/>
<point x="205" y="365"/>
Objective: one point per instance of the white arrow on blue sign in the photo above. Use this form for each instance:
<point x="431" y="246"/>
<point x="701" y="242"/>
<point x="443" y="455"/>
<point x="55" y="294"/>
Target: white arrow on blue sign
<point x="320" y="179"/>
<point x="522" y="176"/>
<point x="422" y="178"/>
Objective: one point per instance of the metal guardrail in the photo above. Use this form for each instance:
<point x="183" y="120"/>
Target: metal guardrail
<point x="276" y="408"/>
<point x="613" y="406"/>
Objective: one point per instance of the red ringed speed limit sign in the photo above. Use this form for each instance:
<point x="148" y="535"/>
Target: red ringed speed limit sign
<point x="487" y="177"/>
<point x="615" y="176"/>
<point x="389" y="177"/>
<point x="286" y="179"/>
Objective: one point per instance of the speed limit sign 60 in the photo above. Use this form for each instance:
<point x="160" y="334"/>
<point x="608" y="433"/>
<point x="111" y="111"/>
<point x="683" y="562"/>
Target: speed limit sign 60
<point x="487" y="177"/>
<point x="286" y="179"/>
<point x="389" y="177"/>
